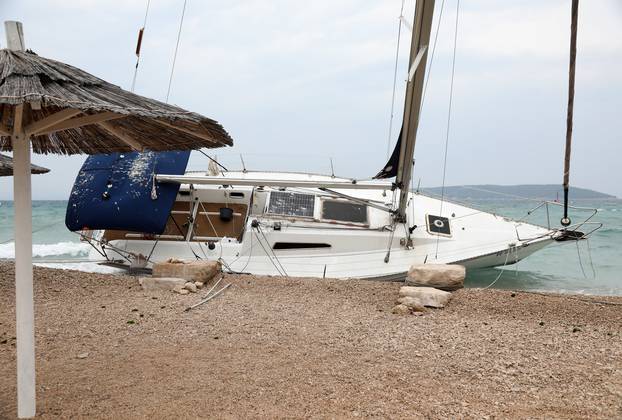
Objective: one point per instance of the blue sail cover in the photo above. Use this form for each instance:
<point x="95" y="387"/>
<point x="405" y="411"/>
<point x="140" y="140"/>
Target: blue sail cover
<point x="116" y="191"/>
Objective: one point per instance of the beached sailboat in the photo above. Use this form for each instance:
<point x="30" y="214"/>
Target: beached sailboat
<point x="136" y="210"/>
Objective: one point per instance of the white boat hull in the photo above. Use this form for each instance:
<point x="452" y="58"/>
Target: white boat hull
<point x="478" y="239"/>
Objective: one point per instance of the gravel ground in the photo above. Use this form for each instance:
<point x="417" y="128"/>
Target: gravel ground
<point x="273" y="347"/>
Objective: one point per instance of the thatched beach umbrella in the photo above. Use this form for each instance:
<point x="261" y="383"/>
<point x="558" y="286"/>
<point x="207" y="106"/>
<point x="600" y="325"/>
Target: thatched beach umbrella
<point x="61" y="109"/>
<point x="6" y="167"/>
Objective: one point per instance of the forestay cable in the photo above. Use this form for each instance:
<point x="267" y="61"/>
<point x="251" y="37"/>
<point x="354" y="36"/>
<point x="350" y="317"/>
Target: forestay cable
<point x="181" y="24"/>
<point x="397" y="56"/>
<point x="139" y="44"/>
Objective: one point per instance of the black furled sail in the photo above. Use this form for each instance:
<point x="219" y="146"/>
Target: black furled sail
<point x="390" y="169"/>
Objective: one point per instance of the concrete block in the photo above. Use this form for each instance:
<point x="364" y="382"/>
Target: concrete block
<point x="194" y="271"/>
<point x="160" y="283"/>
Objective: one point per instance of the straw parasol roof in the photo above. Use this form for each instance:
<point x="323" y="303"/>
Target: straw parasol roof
<point x="6" y="167"/>
<point x="116" y="120"/>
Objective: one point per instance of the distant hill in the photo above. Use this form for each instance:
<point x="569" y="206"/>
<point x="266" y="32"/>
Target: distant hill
<point x="487" y="192"/>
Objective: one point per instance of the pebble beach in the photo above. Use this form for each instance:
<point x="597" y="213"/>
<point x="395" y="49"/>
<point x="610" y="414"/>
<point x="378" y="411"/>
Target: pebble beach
<point x="278" y="347"/>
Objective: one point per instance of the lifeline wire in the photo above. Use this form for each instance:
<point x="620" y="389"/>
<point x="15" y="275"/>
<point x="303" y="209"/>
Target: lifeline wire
<point x="451" y="95"/>
<point x="181" y="24"/>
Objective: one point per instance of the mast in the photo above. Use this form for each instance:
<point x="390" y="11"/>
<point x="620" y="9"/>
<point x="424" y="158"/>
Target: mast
<point x="422" y="26"/>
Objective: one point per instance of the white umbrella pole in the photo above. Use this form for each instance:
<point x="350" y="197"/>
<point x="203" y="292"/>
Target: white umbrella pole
<point x="24" y="299"/>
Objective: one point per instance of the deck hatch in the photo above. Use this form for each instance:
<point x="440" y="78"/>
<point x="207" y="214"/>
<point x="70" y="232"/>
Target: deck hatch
<point x="438" y="225"/>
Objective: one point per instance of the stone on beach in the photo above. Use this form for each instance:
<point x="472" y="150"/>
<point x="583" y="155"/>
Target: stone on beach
<point x="441" y="276"/>
<point x="199" y="284"/>
<point x="401" y="310"/>
<point x="161" y="283"/>
<point x="412" y="303"/>
<point x="428" y="296"/>
<point x="194" y="271"/>
<point x="191" y="287"/>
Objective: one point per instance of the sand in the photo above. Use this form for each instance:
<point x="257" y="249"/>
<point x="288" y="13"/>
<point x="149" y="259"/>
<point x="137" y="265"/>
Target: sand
<point x="274" y="347"/>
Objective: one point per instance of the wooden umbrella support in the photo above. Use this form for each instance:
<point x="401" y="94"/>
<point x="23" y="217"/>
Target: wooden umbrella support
<point x="24" y="297"/>
<point x="86" y="108"/>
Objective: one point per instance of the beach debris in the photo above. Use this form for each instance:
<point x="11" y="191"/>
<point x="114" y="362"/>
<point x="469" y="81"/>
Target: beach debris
<point x="182" y="291"/>
<point x="193" y="271"/>
<point x="82" y="355"/>
<point x="160" y="283"/>
<point x="191" y="287"/>
<point x="208" y="298"/>
<point x="199" y="284"/>
<point x="400" y="310"/>
<point x="440" y="276"/>
<point x="414" y="304"/>
<point x="428" y="296"/>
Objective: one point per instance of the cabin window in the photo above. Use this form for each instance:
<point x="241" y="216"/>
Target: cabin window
<point x="344" y="211"/>
<point x="291" y="204"/>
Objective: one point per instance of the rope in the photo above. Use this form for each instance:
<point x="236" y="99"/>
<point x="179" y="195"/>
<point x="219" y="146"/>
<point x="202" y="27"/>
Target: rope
<point x="397" y="56"/>
<point x="140" y="38"/>
<point x="580" y="262"/>
<point x="181" y="24"/>
<point x="451" y="95"/>
<point x="501" y="272"/>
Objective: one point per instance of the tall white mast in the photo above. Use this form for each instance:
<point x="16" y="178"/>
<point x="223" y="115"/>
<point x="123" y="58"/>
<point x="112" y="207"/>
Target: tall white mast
<point x="422" y="26"/>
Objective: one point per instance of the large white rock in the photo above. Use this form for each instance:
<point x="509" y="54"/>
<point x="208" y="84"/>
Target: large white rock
<point x="440" y="276"/>
<point x="193" y="271"/>
<point x="428" y="296"/>
<point x="161" y="283"/>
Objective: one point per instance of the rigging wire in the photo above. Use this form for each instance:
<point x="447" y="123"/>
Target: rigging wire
<point x="427" y="78"/>
<point x="138" y="45"/>
<point x="181" y="24"/>
<point x="451" y="95"/>
<point x="397" y="56"/>
<point x="213" y="160"/>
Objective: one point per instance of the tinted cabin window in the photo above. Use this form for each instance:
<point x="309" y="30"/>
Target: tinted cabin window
<point x="344" y="211"/>
<point x="291" y="204"/>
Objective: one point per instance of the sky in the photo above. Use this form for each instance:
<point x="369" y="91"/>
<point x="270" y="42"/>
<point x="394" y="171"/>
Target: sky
<point x="297" y="84"/>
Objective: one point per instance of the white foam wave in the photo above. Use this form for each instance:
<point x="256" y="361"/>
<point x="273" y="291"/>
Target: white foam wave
<point x="73" y="249"/>
<point x="88" y="267"/>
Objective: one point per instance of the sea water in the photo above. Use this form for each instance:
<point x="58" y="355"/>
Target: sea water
<point x="592" y="267"/>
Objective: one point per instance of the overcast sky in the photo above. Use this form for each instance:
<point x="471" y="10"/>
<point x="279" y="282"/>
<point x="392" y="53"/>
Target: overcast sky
<point x="296" y="83"/>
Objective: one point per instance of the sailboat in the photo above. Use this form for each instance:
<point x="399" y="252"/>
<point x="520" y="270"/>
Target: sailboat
<point x="140" y="208"/>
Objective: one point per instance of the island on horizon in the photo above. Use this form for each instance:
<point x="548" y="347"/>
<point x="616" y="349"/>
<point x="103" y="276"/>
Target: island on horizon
<point x="532" y="191"/>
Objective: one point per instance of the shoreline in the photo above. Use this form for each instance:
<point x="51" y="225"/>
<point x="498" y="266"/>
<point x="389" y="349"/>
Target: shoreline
<point x="273" y="347"/>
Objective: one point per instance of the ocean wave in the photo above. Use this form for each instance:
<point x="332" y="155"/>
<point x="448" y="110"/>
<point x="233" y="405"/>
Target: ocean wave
<point x="68" y="249"/>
